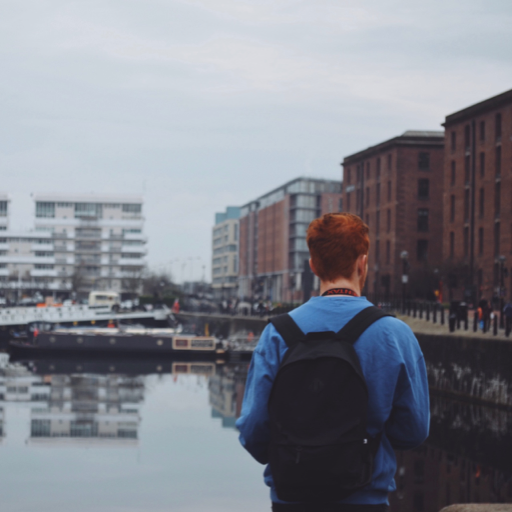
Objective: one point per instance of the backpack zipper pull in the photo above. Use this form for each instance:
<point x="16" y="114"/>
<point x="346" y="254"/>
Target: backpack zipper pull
<point x="297" y="458"/>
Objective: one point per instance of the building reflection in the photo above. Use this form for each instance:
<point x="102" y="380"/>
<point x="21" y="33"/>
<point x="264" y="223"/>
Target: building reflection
<point x="227" y="388"/>
<point x="100" y="408"/>
<point x="465" y="460"/>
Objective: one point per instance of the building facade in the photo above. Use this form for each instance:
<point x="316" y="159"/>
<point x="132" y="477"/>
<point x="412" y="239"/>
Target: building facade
<point x="477" y="216"/>
<point x="273" y="248"/>
<point x="396" y="187"/>
<point x="225" y="235"/>
<point x="97" y="241"/>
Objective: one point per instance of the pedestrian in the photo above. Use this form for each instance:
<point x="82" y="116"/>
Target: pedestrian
<point x="327" y="442"/>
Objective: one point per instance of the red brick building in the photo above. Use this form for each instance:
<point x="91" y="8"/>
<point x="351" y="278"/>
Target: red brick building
<point x="477" y="214"/>
<point x="396" y="187"/>
<point x="273" y="247"/>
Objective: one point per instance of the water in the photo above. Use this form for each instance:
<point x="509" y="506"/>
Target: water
<point x="154" y="435"/>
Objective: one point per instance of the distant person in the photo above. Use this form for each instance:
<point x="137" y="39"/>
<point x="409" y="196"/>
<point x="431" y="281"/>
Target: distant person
<point x="327" y="442"/>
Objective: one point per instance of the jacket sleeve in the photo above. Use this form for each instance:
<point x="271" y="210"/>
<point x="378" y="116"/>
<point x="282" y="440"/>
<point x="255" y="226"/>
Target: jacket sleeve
<point x="408" y="424"/>
<point x="253" y="423"/>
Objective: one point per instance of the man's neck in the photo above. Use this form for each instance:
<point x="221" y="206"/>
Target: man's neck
<point x="351" y="284"/>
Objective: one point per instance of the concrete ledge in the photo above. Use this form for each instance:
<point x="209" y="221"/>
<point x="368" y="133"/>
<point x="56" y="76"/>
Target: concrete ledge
<point x="479" y="507"/>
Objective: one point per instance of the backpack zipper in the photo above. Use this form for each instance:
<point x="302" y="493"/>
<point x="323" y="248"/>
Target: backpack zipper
<point x="299" y="450"/>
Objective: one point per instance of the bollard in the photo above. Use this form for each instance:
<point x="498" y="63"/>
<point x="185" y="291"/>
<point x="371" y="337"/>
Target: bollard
<point x="442" y="315"/>
<point x="421" y="311"/>
<point x="458" y="320"/>
<point x="451" y="322"/>
<point x="466" y="321"/>
<point x="434" y="314"/>
<point x="414" y="310"/>
<point x="495" y="325"/>
<point x="428" y="312"/>
<point x="475" y="321"/>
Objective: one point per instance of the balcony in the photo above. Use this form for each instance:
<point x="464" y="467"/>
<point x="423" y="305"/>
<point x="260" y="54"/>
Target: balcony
<point x="43" y="273"/>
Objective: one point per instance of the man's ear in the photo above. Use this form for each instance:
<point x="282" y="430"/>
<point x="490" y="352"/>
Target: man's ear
<point x="312" y="267"/>
<point x="362" y="263"/>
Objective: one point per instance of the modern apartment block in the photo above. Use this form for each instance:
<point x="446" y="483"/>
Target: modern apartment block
<point x="477" y="183"/>
<point x="225" y="253"/>
<point x="396" y="187"/>
<point x="273" y="249"/>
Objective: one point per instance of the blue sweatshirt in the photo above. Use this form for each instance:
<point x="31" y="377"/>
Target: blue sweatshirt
<point x="394" y="369"/>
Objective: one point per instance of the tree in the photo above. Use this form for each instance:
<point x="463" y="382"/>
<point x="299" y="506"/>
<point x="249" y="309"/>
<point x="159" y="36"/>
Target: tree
<point x="158" y="285"/>
<point x="77" y="278"/>
<point x="132" y="282"/>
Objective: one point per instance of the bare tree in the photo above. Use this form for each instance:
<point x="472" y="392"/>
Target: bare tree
<point x="132" y="282"/>
<point x="77" y="278"/>
<point x="158" y="285"/>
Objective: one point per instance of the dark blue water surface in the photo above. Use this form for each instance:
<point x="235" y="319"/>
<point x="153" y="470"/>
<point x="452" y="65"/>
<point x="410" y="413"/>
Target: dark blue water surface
<point x="153" y="436"/>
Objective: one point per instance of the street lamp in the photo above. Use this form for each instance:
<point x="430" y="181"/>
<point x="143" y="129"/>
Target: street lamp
<point x="404" y="255"/>
<point x="501" y="288"/>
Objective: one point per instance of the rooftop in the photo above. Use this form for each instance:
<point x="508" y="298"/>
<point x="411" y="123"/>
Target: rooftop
<point x="408" y="138"/>
<point x="479" y="108"/>
<point x="88" y="198"/>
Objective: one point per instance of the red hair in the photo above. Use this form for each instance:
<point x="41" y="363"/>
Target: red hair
<point x="335" y="241"/>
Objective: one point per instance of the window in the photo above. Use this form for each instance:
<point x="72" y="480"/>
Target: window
<point x="388" y="251"/>
<point x="481" y="202"/>
<point x="452" y="208"/>
<point x="44" y="254"/>
<point x="348" y="202"/>
<point x="388" y="227"/>
<point x="378" y="169"/>
<point x="467" y="137"/>
<point x="390" y="162"/>
<point x="42" y="266"/>
<point x="467" y="169"/>
<point x="3" y="208"/>
<point x="423" y="219"/>
<point x="482" y="130"/>
<point x="480" y="241"/>
<point x="422" y="250"/>
<point x="452" y="177"/>
<point x="377" y="193"/>
<point x="498" y="127"/>
<point x="367" y="196"/>
<point x="424" y="161"/>
<point x="377" y="250"/>
<point x="498" y="161"/>
<point x="132" y="208"/>
<point x="389" y="191"/>
<point x="453" y="139"/>
<point x="64" y="205"/>
<point x="496" y="238"/>
<point x="367" y="170"/>
<point x="349" y="176"/>
<point x="45" y="210"/>
<point x="466" y="205"/>
<point x="377" y="223"/>
<point x="497" y="199"/>
<point x="131" y="255"/>
<point x="482" y="164"/>
<point x="452" y="243"/>
<point x="466" y="241"/>
<point x="88" y="210"/>
<point x="423" y="188"/>
<point x="235" y="236"/>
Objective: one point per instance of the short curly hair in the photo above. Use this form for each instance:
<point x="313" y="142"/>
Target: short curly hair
<point x="335" y="241"/>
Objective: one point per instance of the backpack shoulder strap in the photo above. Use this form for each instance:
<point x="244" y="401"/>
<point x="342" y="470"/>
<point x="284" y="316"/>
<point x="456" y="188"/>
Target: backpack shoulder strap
<point x="288" y="329"/>
<point x="355" y="327"/>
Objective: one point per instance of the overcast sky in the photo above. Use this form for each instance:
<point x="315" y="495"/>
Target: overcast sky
<point x="201" y="104"/>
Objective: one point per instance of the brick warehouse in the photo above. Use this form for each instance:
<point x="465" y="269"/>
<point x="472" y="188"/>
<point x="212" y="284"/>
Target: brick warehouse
<point x="396" y="187"/>
<point x="273" y="249"/>
<point x="477" y="199"/>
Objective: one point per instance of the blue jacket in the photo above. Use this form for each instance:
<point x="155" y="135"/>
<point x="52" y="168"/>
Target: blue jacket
<point x="394" y="368"/>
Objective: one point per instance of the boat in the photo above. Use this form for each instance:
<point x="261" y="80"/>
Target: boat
<point x="47" y="337"/>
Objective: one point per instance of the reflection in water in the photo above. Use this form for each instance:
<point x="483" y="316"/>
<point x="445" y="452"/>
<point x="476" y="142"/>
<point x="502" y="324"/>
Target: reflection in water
<point x="466" y="459"/>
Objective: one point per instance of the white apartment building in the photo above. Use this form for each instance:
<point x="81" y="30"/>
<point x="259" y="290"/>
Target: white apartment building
<point x="225" y="236"/>
<point x="97" y="241"/>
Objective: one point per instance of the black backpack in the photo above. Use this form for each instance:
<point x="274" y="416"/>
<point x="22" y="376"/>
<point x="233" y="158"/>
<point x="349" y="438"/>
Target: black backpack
<point x="320" y="449"/>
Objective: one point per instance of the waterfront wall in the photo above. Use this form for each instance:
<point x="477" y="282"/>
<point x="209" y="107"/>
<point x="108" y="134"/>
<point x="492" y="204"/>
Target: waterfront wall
<point x="476" y="369"/>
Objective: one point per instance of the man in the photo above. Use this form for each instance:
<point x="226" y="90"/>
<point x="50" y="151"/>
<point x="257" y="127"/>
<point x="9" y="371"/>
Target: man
<point x="389" y="354"/>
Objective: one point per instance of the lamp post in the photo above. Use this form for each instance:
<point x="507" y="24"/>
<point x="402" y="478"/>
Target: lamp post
<point x="501" y="261"/>
<point x="404" y="255"/>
